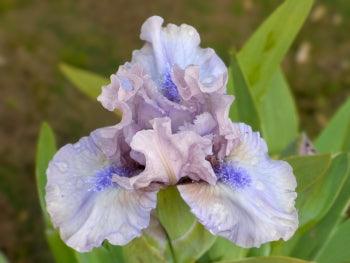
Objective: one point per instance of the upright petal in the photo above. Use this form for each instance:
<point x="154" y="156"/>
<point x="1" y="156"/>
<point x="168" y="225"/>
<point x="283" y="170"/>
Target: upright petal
<point x="253" y="200"/>
<point x="111" y="139"/>
<point x="86" y="205"/>
<point x="177" y="46"/>
<point x="168" y="156"/>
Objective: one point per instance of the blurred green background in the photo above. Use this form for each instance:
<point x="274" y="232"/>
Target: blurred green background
<point x="36" y="35"/>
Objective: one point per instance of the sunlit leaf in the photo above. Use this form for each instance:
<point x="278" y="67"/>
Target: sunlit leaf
<point x="46" y="148"/>
<point x="278" y="114"/>
<point x="311" y="242"/>
<point x="223" y="249"/>
<point x="262" y="54"/>
<point x="260" y="59"/>
<point x="3" y="258"/>
<point x="97" y="255"/>
<point x="153" y="246"/>
<point x="141" y="250"/>
<point x="262" y="251"/>
<point x="336" y="136"/>
<point x="309" y="169"/>
<point x="87" y="82"/>
<point x="189" y="240"/>
<point x="60" y="251"/>
<point x="315" y="200"/>
<point x="267" y="260"/>
<point x="243" y="108"/>
<point x="336" y="249"/>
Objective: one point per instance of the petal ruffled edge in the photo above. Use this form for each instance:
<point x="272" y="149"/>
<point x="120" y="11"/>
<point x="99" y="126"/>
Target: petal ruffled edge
<point x="84" y="214"/>
<point x="169" y="157"/>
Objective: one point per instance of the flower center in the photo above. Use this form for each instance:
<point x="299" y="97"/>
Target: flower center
<point x="234" y="176"/>
<point x="169" y="89"/>
<point x="103" y="178"/>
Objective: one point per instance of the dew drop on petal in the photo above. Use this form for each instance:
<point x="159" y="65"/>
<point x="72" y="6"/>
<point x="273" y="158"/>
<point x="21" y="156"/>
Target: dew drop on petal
<point x="62" y="166"/>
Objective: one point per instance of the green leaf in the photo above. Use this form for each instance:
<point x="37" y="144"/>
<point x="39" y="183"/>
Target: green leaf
<point x="314" y="239"/>
<point x="243" y="109"/>
<point x="336" y="136"/>
<point x="87" y="82"/>
<point x="46" y="149"/>
<point x="267" y="260"/>
<point x="260" y="59"/>
<point x="262" y="251"/>
<point x="188" y="239"/>
<point x="223" y="249"/>
<point x="336" y="250"/>
<point x="278" y="114"/>
<point x="193" y="244"/>
<point x="262" y="54"/>
<point x="173" y="213"/>
<point x="141" y="250"/>
<point x="309" y="169"/>
<point x="3" y="258"/>
<point x="153" y="244"/>
<point x="60" y="251"/>
<point x="97" y="255"/>
<point x="315" y="201"/>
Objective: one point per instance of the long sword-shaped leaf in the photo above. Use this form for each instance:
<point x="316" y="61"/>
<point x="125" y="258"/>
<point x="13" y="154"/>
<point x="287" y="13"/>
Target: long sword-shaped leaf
<point x="46" y="148"/>
<point x="262" y="54"/>
<point x="87" y="82"/>
<point x="188" y="239"/>
<point x="336" y="136"/>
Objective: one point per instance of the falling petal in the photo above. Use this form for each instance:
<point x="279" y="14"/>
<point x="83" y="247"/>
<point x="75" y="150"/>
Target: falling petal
<point x="253" y="200"/>
<point x="84" y="202"/>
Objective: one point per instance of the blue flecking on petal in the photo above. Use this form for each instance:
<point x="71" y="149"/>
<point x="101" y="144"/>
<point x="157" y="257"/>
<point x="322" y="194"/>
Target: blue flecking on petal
<point x="103" y="177"/>
<point x="169" y="89"/>
<point x="84" y="202"/>
<point x="231" y="174"/>
<point x="174" y="45"/>
<point x="253" y="201"/>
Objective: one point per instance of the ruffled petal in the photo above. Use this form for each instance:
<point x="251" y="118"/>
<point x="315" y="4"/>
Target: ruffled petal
<point x="124" y="85"/>
<point x="86" y="205"/>
<point x="168" y="156"/>
<point x="203" y="124"/>
<point x="176" y="45"/>
<point x="111" y="140"/>
<point x="190" y="85"/>
<point x="253" y="200"/>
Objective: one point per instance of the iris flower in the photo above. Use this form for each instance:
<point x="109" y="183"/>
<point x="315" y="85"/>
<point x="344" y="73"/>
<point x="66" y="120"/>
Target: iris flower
<point x="175" y="131"/>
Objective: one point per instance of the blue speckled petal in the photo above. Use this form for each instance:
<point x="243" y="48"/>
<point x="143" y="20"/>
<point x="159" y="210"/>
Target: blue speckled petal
<point x="177" y="46"/>
<point x="253" y="200"/>
<point x="84" y="202"/>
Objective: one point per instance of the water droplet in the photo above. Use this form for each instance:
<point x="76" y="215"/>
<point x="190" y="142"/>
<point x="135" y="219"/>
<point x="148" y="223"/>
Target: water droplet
<point x="208" y="80"/>
<point x="62" y="166"/>
<point x="259" y="186"/>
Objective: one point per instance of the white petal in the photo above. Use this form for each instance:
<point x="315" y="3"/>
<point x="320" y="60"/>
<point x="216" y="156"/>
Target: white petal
<point x="86" y="210"/>
<point x="248" y="218"/>
<point x="251" y="204"/>
<point x="175" y="45"/>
